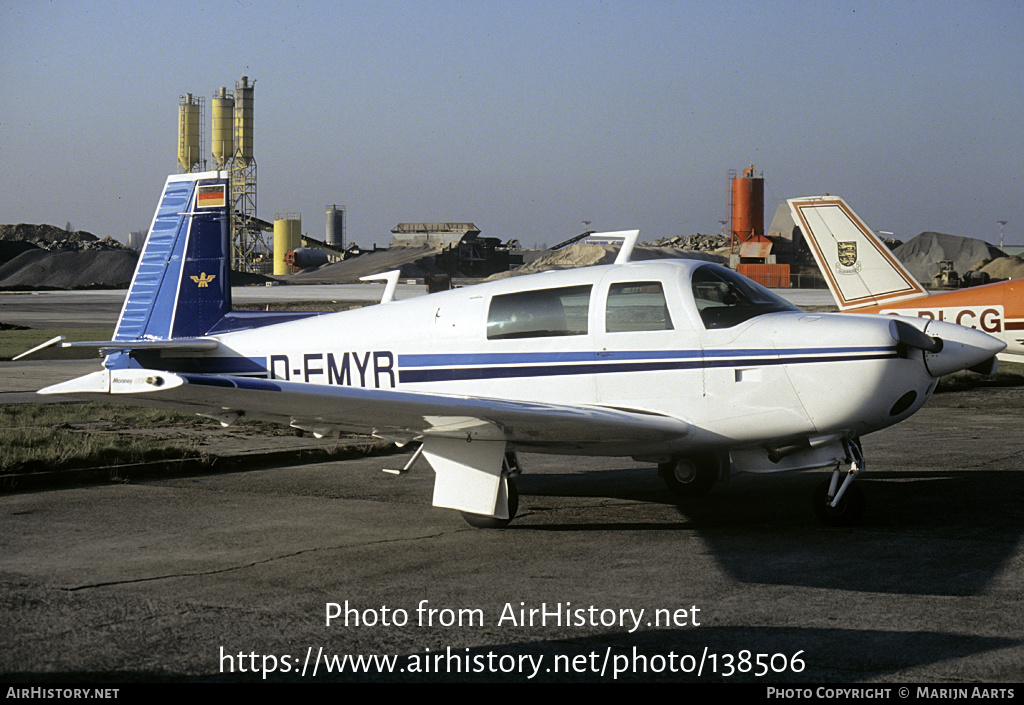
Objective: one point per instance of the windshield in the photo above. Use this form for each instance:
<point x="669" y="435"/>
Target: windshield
<point x="725" y="298"/>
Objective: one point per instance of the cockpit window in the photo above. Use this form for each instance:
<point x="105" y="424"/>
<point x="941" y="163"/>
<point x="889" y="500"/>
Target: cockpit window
<point x="539" y="314"/>
<point x="636" y="306"/>
<point x="725" y="299"/>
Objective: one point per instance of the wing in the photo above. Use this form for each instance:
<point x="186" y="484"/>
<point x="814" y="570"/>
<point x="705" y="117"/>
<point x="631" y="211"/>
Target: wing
<point x="403" y="416"/>
<point x="464" y="437"/>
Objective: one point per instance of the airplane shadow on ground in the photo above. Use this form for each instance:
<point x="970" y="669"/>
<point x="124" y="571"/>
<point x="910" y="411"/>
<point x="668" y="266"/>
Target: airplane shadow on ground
<point x="928" y="533"/>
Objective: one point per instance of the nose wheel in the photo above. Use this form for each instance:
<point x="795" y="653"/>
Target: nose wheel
<point x="848" y="511"/>
<point x="842" y="503"/>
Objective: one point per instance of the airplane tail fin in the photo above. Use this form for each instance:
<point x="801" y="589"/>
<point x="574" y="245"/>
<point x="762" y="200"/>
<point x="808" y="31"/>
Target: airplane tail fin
<point x="858" y="267"/>
<point x="181" y="286"/>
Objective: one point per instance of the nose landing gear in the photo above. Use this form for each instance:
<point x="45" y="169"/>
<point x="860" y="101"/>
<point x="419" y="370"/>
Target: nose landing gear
<point x="843" y="504"/>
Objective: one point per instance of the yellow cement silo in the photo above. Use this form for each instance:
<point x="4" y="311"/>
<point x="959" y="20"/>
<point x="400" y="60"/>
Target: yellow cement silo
<point x="189" y="117"/>
<point x="223" y="128"/>
<point x="243" y="119"/>
<point x="287" y="237"/>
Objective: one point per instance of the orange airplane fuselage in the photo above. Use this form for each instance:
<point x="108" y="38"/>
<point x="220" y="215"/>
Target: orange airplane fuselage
<point x="996" y="309"/>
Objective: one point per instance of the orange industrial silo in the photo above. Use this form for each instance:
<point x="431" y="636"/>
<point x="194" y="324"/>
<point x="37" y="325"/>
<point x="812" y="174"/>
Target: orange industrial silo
<point x="747" y="206"/>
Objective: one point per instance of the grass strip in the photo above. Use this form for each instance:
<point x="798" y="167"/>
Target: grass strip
<point x="42" y="437"/>
<point x="16" y="341"/>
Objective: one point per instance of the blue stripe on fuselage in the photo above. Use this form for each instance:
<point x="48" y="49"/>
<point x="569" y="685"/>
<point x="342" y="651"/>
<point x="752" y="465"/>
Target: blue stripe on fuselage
<point x="469" y="366"/>
<point x="464" y="359"/>
<point x="419" y="368"/>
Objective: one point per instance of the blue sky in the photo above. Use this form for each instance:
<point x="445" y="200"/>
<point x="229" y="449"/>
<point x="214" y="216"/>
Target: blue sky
<point x="525" y="117"/>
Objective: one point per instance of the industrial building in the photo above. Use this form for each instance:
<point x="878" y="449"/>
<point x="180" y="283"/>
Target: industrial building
<point x="280" y="248"/>
<point x="231" y="148"/>
<point x="437" y="235"/>
<point x="767" y="259"/>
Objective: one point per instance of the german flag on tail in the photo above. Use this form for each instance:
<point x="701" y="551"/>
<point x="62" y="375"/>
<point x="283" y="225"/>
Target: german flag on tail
<point x="213" y="196"/>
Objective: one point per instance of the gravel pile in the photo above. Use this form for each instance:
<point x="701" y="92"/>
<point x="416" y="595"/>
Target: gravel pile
<point x="1010" y="267"/>
<point x="9" y="249"/>
<point x="922" y="253"/>
<point x="76" y="245"/>
<point x="588" y="255"/>
<point x="700" y="243"/>
<point x="46" y="256"/>
<point x="43" y="234"/>
<point x="70" y="269"/>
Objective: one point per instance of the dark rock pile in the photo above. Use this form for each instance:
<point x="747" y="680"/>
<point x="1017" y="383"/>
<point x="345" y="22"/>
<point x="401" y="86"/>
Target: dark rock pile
<point x="48" y="257"/>
<point x="697" y="243"/>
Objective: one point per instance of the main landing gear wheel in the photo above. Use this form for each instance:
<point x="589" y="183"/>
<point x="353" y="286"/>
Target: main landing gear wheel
<point x="692" y="476"/>
<point x="848" y="512"/>
<point x="483" y="521"/>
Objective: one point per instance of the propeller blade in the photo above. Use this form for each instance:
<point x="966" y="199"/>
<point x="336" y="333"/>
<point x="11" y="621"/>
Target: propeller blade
<point x="910" y="336"/>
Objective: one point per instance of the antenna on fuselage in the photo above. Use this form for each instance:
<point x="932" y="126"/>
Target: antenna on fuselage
<point x="392" y="283"/>
<point x="628" y="241"/>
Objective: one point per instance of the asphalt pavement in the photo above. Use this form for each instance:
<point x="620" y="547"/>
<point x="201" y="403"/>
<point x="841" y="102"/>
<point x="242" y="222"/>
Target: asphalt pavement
<point x="335" y="571"/>
<point x="232" y="576"/>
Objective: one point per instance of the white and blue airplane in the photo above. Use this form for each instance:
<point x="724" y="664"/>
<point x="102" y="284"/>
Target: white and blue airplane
<point x="681" y="363"/>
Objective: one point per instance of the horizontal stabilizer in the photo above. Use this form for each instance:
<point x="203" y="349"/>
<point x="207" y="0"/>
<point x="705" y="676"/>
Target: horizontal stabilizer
<point x="58" y="349"/>
<point x="115" y="382"/>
